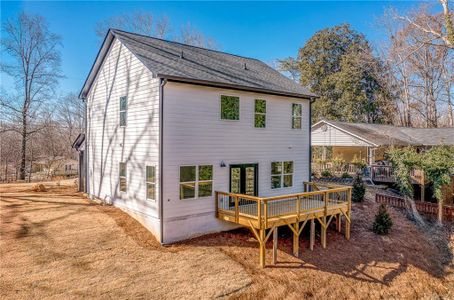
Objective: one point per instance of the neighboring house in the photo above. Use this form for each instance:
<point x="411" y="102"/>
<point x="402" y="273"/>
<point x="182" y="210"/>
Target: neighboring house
<point x="55" y="166"/>
<point x="370" y="141"/>
<point x="169" y="124"/>
<point x="351" y="142"/>
<point x="79" y="146"/>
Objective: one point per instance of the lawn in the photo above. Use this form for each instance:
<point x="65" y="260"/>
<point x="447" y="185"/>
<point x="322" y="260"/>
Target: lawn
<point x="58" y="244"/>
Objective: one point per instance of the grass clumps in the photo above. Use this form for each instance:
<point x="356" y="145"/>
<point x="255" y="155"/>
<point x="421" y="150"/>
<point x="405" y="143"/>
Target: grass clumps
<point x="383" y="222"/>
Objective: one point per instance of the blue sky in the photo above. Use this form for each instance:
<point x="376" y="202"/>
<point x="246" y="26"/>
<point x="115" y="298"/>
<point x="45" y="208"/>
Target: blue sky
<point x="263" y="30"/>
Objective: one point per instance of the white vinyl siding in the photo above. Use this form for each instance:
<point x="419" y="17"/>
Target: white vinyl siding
<point x="326" y="135"/>
<point x="137" y="144"/>
<point x="195" y="135"/>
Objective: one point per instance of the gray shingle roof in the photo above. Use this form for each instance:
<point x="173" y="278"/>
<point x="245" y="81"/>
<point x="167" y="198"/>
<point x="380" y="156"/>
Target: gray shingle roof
<point x="183" y="62"/>
<point x="383" y="135"/>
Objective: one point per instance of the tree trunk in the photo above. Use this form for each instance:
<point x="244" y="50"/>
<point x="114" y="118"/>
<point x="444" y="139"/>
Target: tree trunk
<point x="413" y="211"/>
<point x="440" y="212"/>
<point x="24" y="146"/>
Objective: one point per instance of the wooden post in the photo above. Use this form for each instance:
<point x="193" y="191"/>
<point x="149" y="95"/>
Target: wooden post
<point x="348" y="220"/>
<point x="262" y="247"/>
<point x="312" y="237"/>
<point x="275" y="245"/>
<point x="325" y="211"/>
<point x="296" y="240"/>
<point x="339" y="222"/>
<point x="237" y="211"/>
<point x="323" y="238"/>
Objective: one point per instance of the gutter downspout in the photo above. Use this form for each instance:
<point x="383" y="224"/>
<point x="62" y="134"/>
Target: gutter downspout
<point x="312" y="100"/>
<point x="161" y="160"/>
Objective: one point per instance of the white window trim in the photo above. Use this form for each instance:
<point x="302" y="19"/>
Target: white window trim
<point x="301" y="116"/>
<point x="196" y="182"/>
<point x="149" y="182"/>
<point x="125" y="111"/>
<point x="220" y="108"/>
<point x="282" y="174"/>
<point x="256" y="113"/>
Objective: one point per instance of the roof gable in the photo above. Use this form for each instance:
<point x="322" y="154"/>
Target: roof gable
<point x="382" y="135"/>
<point x="181" y="62"/>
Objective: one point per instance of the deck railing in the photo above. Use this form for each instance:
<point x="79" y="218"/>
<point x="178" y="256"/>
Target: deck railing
<point x="260" y="212"/>
<point x="385" y="173"/>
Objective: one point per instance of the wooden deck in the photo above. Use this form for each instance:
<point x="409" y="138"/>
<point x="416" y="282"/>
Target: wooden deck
<point x="321" y="203"/>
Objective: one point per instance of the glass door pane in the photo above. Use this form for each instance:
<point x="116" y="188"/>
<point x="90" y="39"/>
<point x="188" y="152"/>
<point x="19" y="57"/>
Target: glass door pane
<point x="235" y="180"/>
<point x="250" y="181"/>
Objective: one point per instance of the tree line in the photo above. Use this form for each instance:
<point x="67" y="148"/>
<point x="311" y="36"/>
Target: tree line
<point x="407" y="80"/>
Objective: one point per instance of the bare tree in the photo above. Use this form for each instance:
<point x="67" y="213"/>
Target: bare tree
<point x="70" y="120"/>
<point x="148" y="24"/>
<point x="441" y="30"/>
<point x="421" y="70"/>
<point x="35" y="65"/>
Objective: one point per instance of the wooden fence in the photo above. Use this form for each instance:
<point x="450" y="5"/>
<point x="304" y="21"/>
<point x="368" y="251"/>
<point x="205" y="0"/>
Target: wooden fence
<point x="426" y="208"/>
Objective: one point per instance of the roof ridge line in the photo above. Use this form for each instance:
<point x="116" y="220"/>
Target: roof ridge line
<point x="183" y="44"/>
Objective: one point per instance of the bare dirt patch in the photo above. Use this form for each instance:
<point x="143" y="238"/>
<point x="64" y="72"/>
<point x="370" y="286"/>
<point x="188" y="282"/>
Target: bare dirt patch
<point x="57" y="244"/>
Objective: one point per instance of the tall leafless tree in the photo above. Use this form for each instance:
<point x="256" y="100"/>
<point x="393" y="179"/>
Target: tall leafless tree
<point x="34" y="63"/>
<point x="146" y="23"/>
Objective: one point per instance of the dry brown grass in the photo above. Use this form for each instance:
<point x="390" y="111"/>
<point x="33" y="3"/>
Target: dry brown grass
<point x="57" y="244"/>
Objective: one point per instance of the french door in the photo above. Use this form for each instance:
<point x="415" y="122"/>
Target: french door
<point x="244" y="179"/>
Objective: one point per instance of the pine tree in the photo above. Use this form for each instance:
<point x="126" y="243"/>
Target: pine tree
<point x="358" y="190"/>
<point x="383" y="222"/>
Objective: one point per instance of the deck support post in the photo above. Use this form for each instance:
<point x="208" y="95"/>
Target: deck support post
<point x="275" y="245"/>
<point x="323" y="225"/>
<point x="296" y="239"/>
<point x="262" y="245"/>
<point x="312" y="236"/>
<point x="339" y="222"/>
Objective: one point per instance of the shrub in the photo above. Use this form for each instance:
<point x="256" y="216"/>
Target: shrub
<point x="346" y="175"/>
<point x="358" y="190"/>
<point x="326" y="173"/>
<point x="383" y="222"/>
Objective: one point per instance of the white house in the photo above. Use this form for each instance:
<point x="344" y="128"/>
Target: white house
<point x="169" y="124"/>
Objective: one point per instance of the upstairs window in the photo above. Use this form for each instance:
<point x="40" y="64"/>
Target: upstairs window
<point x="151" y="182"/>
<point x="123" y="110"/>
<point x="196" y="181"/>
<point x="230" y="108"/>
<point x="281" y="174"/>
<point x="296" y="115"/>
<point x="122" y="176"/>
<point x="260" y="113"/>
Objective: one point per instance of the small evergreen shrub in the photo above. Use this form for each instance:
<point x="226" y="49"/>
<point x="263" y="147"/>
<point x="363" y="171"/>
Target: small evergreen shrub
<point x="326" y="173"/>
<point x="346" y="175"/>
<point x="358" y="189"/>
<point x="383" y="222"/>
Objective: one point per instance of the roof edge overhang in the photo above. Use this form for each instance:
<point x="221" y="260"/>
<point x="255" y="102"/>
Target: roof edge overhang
<point x="234" y="86"/>
<point x="108" y="39"/>
<point x="346" y="131"/>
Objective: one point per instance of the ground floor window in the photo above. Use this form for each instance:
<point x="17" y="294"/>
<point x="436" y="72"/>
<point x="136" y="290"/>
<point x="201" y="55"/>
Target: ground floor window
<point x="196" y="181"/>
<point x="151" y="182"/>
<point x="122" y="174"/>
<point x="281" y="174"/>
